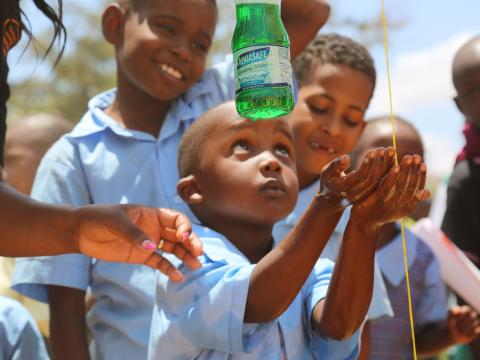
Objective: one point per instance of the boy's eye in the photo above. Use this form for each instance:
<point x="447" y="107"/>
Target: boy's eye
<point x="200" y="46"/>
<point x="283" y="150"/>
<point x="351" y="123"/>
<point x="318" y="109"/>
<point x="166" y="28"/>
<point x="242" y="146"/>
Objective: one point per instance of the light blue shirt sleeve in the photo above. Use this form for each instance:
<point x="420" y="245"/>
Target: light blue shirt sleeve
<point x="205" y="313"/>
<point x="316" y="290"/>
<point x="59" y="180"/>
<point x="20" y="338"/>
<point x="432" y="306"/>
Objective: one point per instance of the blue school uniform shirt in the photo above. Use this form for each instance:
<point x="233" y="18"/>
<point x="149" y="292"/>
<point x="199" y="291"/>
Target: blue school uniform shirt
<point x="391" y="338"/>
<point x="380" y="305"/>
<point x="19" y="336"/>
<point x="202" y="318"/>
<point x="103" y="163"/>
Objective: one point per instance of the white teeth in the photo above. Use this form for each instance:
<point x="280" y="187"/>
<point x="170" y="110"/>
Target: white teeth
<point x="331" y="151"/>
<point x="171" y="71"/>
<point x="315" y="145"/>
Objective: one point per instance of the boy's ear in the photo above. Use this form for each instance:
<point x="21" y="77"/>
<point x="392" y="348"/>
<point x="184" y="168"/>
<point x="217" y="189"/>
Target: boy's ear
<point x="189" y="190"/>
<point x="459" y="103"/>
<point x="113" y="20"/>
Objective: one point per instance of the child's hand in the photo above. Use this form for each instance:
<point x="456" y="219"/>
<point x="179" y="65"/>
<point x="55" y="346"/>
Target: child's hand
<point x="397" y="195"/>
<point x="464" y="324"/>
<point x="345" y="189"/>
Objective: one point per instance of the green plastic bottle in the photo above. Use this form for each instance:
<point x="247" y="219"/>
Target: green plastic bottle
<point x="261" y="52"/>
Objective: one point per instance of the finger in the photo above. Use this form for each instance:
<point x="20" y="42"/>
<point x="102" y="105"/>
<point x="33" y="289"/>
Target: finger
<point x="403" y="176"/>
<point x="413" y="181"/>
<point x="388" y="184"/>
<point x="130" y="232"/>
<point x="357" y="178"/>
<point x="336" y="167"/>
<point x="156" y="261"/>
<point x="183" y="253"/>
<point x="174" y="220"/>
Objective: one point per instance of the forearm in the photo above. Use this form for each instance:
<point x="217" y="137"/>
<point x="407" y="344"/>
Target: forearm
<point x="303" y="19"/>
<point x="67" y="323"/>
<point x="349" y="296"/>
<point x="30" y="228"/>
<point x="434" y="339"/>
<point x="284" y="270"/>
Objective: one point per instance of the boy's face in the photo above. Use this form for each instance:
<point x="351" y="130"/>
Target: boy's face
<point x="329" y="116"/>
<point x="248" y="170"/>
<point x="164" y="46"/>
<point x="468" y="98"/>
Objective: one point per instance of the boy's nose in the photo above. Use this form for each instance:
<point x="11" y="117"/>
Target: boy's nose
<point x="182" y="52"/>
<point x="270" y="165"/>
<point x="333" y="127"/>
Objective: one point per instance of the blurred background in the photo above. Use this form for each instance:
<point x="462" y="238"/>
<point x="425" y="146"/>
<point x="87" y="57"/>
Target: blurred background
<point x="423" y="37"/>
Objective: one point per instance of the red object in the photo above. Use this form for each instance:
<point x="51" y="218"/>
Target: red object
<point x="471" y="150"/>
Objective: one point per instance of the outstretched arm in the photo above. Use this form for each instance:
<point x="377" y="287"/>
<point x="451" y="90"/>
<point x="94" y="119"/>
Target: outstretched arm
<point x="303" y="19"/>
<point x="111" y="233"/>
<point x="284" y="270"/>
<point x="348" y="297"/>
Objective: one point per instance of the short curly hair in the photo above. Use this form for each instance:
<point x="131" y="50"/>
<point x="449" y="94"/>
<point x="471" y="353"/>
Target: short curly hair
<point x="336" y="50"/>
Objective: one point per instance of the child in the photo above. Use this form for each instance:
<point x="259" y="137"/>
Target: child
<point x="336" y="81"/>
<point x="124" y="150"/>
<point x="252" y="299"/>
<point x="462" y="215"/>
<point x="435" y="328"/>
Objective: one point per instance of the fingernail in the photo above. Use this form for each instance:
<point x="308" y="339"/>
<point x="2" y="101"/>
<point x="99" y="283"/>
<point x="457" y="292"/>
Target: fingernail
<point x="365" y="161"/>
<point x="185" y="236"/>
<point x="148" y="245"/>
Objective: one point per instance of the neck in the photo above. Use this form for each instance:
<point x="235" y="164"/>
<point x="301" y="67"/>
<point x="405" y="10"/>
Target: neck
<point x="305" y="179"/>
<point x="386" y="234"/>
<point x="137" y="110"/>
<point x="253" y="240"/>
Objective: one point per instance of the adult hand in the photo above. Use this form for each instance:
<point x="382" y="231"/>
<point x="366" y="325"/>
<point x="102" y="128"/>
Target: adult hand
<point x="129" y="233"/>
<point x="464" y="324"/>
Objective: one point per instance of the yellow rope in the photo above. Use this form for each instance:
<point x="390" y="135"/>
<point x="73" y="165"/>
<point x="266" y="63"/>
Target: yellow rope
<point x="394" y="140"/>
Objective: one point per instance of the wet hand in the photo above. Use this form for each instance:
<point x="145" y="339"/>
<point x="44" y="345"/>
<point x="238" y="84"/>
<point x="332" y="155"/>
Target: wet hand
<point x="346" y="189"/>
<point x="396" y="196"/>
<point x="129" y="233"/>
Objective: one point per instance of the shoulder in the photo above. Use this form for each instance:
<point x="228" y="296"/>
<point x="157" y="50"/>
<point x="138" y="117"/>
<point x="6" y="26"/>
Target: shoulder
<point x="463" y="173"/>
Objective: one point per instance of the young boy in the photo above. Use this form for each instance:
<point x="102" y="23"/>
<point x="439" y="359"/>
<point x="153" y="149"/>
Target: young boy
<point x="462" y="215"/>
<point x="254" y="298"/>
<point x="336" y="81"/>
<point x="436" y="328"/>
<point x="124" y="150"/>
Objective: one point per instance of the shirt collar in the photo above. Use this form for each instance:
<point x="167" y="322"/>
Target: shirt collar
<point x="390" y="257"/>
<point x="95" y="120"/>
<point x="217" y="247"/>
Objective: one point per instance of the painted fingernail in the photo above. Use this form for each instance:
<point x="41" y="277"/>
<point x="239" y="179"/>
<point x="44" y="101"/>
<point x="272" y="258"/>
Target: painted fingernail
<point x="185" y="236"/>
<point x="148" y="245"/>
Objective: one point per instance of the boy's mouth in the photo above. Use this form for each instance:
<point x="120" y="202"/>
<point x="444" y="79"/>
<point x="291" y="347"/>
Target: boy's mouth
<point x="171" y="71"/>
<point x="317" y="146"/>
<point x="273" y="187"/>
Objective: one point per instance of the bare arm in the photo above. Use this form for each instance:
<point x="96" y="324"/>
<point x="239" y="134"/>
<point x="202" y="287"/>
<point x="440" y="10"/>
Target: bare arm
<point x="284" y="270"/>
<point x="303" y="19"/>
<point x="112" y="233"/>
<point x="349" y="297"/>
<point x="68" y="328"/>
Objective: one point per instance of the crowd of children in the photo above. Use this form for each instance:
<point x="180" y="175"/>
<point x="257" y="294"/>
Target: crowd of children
<point x="301" y="254"/>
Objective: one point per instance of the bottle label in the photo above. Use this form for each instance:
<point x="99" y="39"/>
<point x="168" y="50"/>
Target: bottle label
<point x="262" y="66"/>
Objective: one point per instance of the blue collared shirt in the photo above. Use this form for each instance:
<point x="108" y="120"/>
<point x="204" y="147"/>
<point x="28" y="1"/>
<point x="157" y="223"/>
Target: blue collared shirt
<point x="431" y="303"/>
<point x="19" y="335"/>
<point x="380" y="305"/>
<point x="103" y="163"/>
<point x="202" y="318"/>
